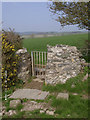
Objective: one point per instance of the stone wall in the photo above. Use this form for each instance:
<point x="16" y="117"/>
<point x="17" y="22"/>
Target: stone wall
<point x="24" y="69"/>
<point x="63" y="62"/>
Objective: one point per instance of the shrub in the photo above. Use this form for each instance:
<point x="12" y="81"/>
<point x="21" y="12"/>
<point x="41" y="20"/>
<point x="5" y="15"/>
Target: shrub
<point x="9" y="59"/>
<point x="13" y="38"/>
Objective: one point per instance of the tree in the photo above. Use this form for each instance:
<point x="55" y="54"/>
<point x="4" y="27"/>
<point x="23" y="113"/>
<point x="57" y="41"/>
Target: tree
<point x="70" y="13"/>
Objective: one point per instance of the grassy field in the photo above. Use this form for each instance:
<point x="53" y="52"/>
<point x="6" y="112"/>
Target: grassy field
<point x="40" y="44"/>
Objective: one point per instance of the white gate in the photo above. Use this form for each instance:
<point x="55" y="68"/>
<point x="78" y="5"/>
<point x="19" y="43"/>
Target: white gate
<point x="39" y="60"/>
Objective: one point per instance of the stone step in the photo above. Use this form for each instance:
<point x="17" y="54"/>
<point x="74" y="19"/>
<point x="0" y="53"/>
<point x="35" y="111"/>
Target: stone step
<point x="29" y="94"/>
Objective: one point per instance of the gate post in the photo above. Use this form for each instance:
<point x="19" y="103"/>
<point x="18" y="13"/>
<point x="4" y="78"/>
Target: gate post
<point x="32" y="64"/>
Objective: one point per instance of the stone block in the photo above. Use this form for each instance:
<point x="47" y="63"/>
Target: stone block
<point x="42" y="111"/>
<point x="50" y="112"/>
<point x="63" y="96"/>
<point x="14" y="103"/>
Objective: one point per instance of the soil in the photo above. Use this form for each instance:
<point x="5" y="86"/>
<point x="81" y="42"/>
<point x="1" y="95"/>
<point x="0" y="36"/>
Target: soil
<point x="34" y="85"/>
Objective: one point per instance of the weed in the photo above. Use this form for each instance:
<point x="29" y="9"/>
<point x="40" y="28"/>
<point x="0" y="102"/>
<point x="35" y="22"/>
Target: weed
<point x="19" y="107"/>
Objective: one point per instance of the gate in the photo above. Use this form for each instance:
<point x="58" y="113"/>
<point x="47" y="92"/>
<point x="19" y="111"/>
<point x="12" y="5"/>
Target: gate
<point x="39" y="60"/>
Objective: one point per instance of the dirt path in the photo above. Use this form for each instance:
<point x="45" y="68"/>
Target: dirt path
<point x="34" y="84"/>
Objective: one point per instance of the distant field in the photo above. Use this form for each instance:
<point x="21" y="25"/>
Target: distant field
<point x="40" y="44"/>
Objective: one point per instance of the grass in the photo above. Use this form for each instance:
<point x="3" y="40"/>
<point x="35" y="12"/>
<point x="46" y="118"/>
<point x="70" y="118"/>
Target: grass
<point x="7" y="104"/>
<point x="19" y="107"/>
<point x="37" y="114"/>
<point x="24" y="100"/>
<point x="18" y="115"/>
<point x="80" y="86"/>
<point x="40" y="44"/>
<point x="76" y="107"/>
<point x="31" y="78"/>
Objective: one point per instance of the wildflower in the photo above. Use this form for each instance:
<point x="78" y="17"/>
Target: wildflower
<point x="16" y="55"/>
<point x="15" y="70"/>
<point x="8" y="79"/>
<point x="8" y="65"/>
<point x="13" y="83"/>
<point x="2" y="68"/>
<point x="72" y="60"/>
<point x="13" y="49"/>
<point x="11" y="46"/>
<point x="11" y="74"/>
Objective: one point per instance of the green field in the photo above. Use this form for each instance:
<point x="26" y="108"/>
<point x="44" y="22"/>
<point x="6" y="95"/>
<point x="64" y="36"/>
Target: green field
<point x="40" y="44"/>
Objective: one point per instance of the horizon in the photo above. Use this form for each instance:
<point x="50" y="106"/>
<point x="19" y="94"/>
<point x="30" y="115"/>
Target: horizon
<point x="49" y="31"/>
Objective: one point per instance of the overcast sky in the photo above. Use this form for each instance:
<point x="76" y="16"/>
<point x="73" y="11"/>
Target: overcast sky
<point x="31" y="16"/>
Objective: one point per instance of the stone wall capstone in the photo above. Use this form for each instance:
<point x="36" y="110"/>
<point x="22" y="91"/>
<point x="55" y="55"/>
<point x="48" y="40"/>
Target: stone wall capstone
<point x="24" y="67"/>
<point x="63" y="62"/>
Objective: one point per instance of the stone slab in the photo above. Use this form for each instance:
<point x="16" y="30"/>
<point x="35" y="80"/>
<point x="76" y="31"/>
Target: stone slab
<point x="31" y="105"/>
<point x="63" y="96"/>
<point x="29" y="94"/>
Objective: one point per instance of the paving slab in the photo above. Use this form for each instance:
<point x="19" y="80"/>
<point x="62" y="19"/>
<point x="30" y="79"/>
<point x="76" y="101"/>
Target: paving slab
<point x="63" y="95"/>
<point x="29" y="94"/>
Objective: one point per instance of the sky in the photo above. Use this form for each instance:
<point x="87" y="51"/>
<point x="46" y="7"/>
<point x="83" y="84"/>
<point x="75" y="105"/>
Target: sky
<point x="32" y="17"/>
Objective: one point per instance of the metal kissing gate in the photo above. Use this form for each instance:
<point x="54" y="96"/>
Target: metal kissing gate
<point x="39" y="60"/>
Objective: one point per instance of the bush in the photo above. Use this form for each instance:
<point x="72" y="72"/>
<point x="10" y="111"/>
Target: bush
<point x="13" y="38"/>
<point x="9" y="59"/>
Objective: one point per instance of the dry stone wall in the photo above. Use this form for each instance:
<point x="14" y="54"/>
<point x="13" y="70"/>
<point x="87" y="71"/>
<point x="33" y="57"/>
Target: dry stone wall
<point x="24" y="69"/>
<point x="63" y="62"/>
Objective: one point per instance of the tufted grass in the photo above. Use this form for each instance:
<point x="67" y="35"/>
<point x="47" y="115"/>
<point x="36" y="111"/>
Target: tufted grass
<point x="75" y="107"/>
